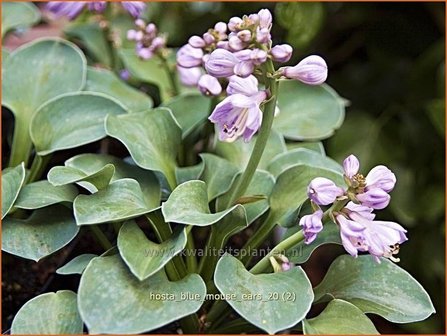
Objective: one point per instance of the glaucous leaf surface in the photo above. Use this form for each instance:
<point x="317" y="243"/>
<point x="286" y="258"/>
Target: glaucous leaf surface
<point x="144" y="257"/>
<point x="112" y="300"/>
<point x="183" y="174"/>
<point x="12" y="182"/>
<point x="304" y="156"/>
<point x="188" y="204"/>
<point x="49" y="314"/>
<point x="46" y="231"/>
<point x="42" y="193"/>
<point x="72" y="120"/>
<point x="316" y="146"/>
<point x="308" y="112"/>
<point x="238" y="152"/>
<point x="76" y="265"/>
<point x="152" y="138"/>
<point x="190" y="110"/>
<point x="120" y="200"/>
<point x="18" y="15"/>
<point x="340" y="318"/>
<point x="272" y="302"/>
<point x="105" y="81"/>
<point x="218" y="174"/>
<point x="384" y="289"/>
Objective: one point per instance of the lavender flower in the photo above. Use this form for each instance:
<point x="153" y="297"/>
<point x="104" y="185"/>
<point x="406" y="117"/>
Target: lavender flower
<point x="323" y="191"/>
<point x="380" y="177"/>
<point x="189" y="76"/>
<point x="312" y="71"/>
<point x="209" y="85"/>
<point x="134" y="8"/>
<point x="97" y="6"/>
<point x="125" y="74"/>
<point x="281" y="53"/>
<point x="351" y="166"/>
<point x="312" y="225"/>
<point x="148" y="42"/>
<point x="265" y="18"/>
<point x="197" y="42"/>
<point x="221" y="63"/>
<point x="189" y="57"/>
<point x="244" y="69"/>
<point x="375" y="198"/>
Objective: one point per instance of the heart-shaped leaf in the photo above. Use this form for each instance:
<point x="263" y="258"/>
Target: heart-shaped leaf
<point x="152" y="138"/>
<point x="218" y="174"/>
<point x="105" y="81"/>
<point x="340" y="318"/>
<point x="148" y="304"/>
<point x="188" y="204"/>
<point x="120" y="200"/>
<point x="308" y="112"/>
<point x="46" y="231"/>
<point x="18" y="15"/>
<point x="302" y="156"/>
<point x="49" y="314"/>
<point x="42" y="193"/>
<point x="184" y="174"/>
<point x="144" y="257"/>
<point x="384" y="289"/>
<point x="12" y="182"/>
<point x="77" y="265"/>
<point x="272" y="302"/>
<point x="72" y="120"/>
<point x="239" y="152"/>
<point x="94" y="181"/>
<point x="190" y="110"/>
<point x="316" y="146"/>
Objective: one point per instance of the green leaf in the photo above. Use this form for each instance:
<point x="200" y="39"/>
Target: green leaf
<point x="384" y="289"/>
<point x="18" y="16"/>
<point x="46" y="231"/>
<point x="42" y="194"/>
<point x="149" y="71"/>
<point x="12" y="182"/>
<point x="72" y="120"/>
<point x="316" y="146"/>
<point x="188" y="204"/>
<point x="218" y="174"/>
<point x="239" y="152"/>
<point x="340" y="318"/>
<point x="144" y="257"/>
<point x="77" y="265"/>
<point x="290" y="191"/>
<point x="148" y="304"/>
<point x="49" y="313"/>
<point x="299" y="156"/>
<point x="152" y="138"/>
<point x="184" y="174"/>
<point x="94" y="181"/>
<point x="308" y="112"/>
<point x="105" y="81"/>
<point x="261" y="184"/>
<point x="120" y="200"/>
<point x="272" y="302"/>
<point x="190" y="110"/>
<point x="93" y="40"/>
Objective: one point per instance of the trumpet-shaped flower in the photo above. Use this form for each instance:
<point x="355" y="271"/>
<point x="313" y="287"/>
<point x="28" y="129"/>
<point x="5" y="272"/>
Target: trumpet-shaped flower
<point x="312" y="225"/>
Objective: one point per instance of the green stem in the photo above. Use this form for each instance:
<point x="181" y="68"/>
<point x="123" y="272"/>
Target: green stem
<point x="38" y="166"/>
<point x="263" y="135"/>
<point x="171" y="75"/>
<point x="191" y="260"/>
<point x="209" y="261"/>
<point x="170" y="177"/>
<point x="101" y="237"/>
<point x="21" y="144"/>
<point x="236" y="327"/>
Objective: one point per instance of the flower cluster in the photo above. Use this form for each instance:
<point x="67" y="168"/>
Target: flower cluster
<point x="72" y="9"/>
<point x="359" y="231"/>
<point x="228" y="57"/>
<point x="148" y="41"/>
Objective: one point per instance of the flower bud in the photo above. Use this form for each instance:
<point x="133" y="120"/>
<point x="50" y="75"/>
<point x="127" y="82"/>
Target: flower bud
<point x="258" y="56"/>
<point x="265" y="18"/>
<point x="263" y="35"/>
<point x="281" y="53"/>
<point x="280" y="263"/>
<point x="140" y="23"/>
<point x="158" y="42"/>
<point x="244" y="69"/>
<point x="189" y="76"/>
<point x="362" y="210"/>
<point x="223" y="45"/>
<point x="208" y="38"/>
<point x="235" y="43"/>
<point x="196" y="42"/>
<point x="312" y="225"/>
<point x="312" y="71"/>
<point x="243" y="55"/>
<point x="221" y="63"/>
<point x="209" y="85"/>
<point x="221" y="27"/>
<point x="145" y="53"/>
<point x="244" y="35"/>
<point x="125" y="74"/>
<point x="323" y="191"/>
<point x="254" y="18"/>
<point x="234" y="23"/>
<point x="189" y="57"/>
<point x="134" y="35"/>
<point x="351" y="166"/>
<point x="375" y="198"/>
<point x="151" y="29"/>
<point x="97" y="6"/>
<point x="380" y="177"/>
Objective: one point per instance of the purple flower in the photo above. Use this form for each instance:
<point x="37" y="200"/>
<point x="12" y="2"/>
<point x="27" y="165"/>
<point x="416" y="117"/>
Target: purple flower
<point x="351" y="166"/>
<point x="375" y="198"/>
<point x="323" y="191"/>
<point x="221" y="27"/>
<point x="221" y="63"/>
<point x="189" y="76"/>
<point x="281" y="53"/>
<point x="312" y="71"/>
<point x="244" y="69"/>
<point x="380" y="177"/>
<point x="244" y="35"/>
<point x="246" y="86"/>
<point x="208" y="38"/>
<point x="265" y="18"/>
<point x="70" y="9"/>
<point x="144" y="53"/>
<point x="209" y="85"/>
<point x="125" y="74"/>
<point x="235" y="43"/>
<point x="258" y="56"/>
<point x="363" y="210"/>
<point x="97" y="6"/>
<point x="134" y="8"/>
<point x="135" y="35"/>
<point x="189" y="57"/>
<point x="234" y="23"/>
<point x="312" y="225"/>
<point x="196" y="42"/>
<point x="263" y="35"/>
